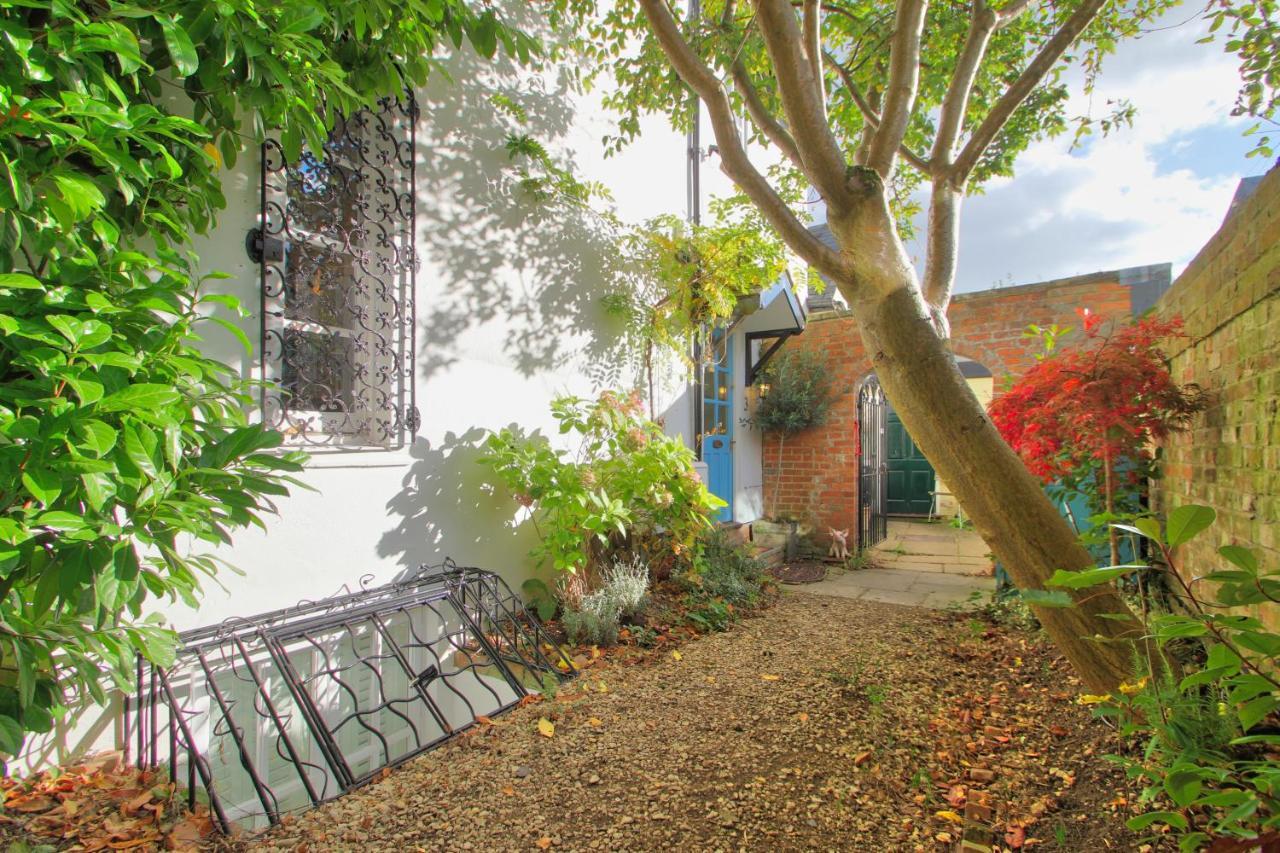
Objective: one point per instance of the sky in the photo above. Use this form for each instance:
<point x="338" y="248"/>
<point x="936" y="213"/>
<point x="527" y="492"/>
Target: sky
<point x="1149" y="194"/>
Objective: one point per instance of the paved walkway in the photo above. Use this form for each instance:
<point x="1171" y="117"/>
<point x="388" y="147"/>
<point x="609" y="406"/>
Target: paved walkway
<point x="904" y="586"/>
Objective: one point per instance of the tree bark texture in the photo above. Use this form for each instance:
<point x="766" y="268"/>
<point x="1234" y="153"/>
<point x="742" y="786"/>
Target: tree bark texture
<point x="1007" y="506"/>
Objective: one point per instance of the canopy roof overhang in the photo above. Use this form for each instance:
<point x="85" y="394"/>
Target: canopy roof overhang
<point x="768" y="319"/>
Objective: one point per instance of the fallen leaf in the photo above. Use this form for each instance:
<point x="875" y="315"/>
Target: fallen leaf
<point x="947" y="814"/>
<point x="804" y="718"/>
<point x="596" y="721"/>
<point x="544" y="843"/>
<point x="1015" y="837"/>
<point x="770" y="677"/>
<point x="546" y="728"/>
<point x="31" y="805"/>
<point x="600" y="686"/>
<point x="508" y="790"/>
<point x="677" y="656"/>
<point x="862" y="757"/>
<point x="483" y="720"/>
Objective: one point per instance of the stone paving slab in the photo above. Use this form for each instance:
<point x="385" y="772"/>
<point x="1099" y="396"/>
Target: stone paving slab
<point x="904" y="586"/>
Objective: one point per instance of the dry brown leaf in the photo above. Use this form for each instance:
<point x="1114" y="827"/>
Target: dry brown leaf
<point x="544" y="843"/>
<point x="31" y="805"/>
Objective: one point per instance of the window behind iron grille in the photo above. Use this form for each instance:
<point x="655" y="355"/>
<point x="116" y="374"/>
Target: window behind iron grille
<point x="338" y="284"/>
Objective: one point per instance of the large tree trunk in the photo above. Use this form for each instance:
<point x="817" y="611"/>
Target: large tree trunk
<point x="1007" y="506"/>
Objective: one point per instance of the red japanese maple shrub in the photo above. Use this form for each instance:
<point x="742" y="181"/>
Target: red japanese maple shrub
<point x="1084" y="407"/>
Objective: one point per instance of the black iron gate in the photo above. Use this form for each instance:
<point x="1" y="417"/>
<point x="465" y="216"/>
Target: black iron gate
<point x="873" y="463"/>
<point x="282" y="711"/>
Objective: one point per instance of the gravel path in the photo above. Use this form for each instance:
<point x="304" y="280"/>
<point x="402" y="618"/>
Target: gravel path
<point x="822" y="724"/>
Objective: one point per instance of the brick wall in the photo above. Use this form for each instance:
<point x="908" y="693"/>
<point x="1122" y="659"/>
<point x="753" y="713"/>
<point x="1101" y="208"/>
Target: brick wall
<point x="1229" y="298"/>
<point x="819" y="467"/>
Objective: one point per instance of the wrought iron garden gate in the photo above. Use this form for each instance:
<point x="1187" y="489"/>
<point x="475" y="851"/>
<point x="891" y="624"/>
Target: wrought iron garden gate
<point x="282" y="711"/>
<point x="873" y="463"/>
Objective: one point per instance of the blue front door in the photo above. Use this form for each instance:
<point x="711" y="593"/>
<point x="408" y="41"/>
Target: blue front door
<point x="717" y="423"/>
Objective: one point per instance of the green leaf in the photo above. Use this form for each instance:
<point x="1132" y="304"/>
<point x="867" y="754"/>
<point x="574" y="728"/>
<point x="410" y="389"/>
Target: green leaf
<point x="1241" y="557"/>
<point x="12" y="735"/>
<point x="97" y="436"/>
<point x="143" y="396"/>
<point x="20" y="281"/>
<point x="43" y="484"/>
<point x="1187" y="521"/>
<point x="1183" y="785"/>
<point x="1090" y="577"/>
<point x="1143" y="821"/>
<point x="1046" y="598"/>
<point x="181" y="50"/>
<point x="1253" y="711"/>
<point x="81" y="195"/>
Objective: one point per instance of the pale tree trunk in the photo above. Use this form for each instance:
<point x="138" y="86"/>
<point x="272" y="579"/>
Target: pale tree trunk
<point x="1006" y="504"/>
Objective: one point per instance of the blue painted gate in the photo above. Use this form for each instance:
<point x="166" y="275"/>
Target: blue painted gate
<point x="717" y="423"/>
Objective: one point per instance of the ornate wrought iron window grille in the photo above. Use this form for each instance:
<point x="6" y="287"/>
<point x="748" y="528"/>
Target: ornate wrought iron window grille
<point x="279" y="712"/>
<point x="336" y="248"/>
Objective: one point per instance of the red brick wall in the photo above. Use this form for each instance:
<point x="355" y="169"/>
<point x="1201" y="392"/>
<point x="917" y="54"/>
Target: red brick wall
<point x="819" y="467"/>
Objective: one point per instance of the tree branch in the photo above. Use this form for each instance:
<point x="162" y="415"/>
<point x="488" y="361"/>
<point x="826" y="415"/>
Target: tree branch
<point x="765" y="120"/>
<point x="942" y="245"/>
<point x="733" y="158"/>
<point x="956" y="101"/>
<point x="1007" y="15"/>
<point x="872" y="116"/>
<point x="802" y="101"/>
<point x="1042" y="64"/>
<point x="813" y="46"/>
<point x="904" y="80"/>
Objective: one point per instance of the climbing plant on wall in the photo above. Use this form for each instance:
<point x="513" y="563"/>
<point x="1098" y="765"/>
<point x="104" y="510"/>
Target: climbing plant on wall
<point x="120" y="441"/>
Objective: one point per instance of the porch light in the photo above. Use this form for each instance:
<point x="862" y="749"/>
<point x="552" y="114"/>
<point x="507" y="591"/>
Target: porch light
<point x="723" y="392"/>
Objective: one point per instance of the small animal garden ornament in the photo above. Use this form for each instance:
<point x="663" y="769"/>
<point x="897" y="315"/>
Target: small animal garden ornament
<point x="839" y="544"/>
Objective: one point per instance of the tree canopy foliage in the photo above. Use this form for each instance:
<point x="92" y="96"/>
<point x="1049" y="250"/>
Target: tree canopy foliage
<point x="121" y="443"/>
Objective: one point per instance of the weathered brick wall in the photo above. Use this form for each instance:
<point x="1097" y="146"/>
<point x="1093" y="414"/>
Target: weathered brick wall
<point x="1229" y="298"/>
<point x="819" y="467"/>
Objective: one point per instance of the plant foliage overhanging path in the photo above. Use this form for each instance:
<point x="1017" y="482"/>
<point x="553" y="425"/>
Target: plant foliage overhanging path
<point x="866" y="99"/>
<point x="119" y="440"/>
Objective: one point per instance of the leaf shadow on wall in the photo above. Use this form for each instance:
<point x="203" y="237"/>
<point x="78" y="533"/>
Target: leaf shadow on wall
<point x="503" y="271"/>
<point x="449" y="508"/>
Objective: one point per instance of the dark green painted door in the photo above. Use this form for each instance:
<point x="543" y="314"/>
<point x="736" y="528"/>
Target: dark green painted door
<point x="911" y="479"/>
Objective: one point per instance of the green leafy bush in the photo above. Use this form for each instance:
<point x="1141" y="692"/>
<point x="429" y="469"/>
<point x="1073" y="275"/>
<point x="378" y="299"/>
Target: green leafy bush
<point x="120" y="442"/>
<point x="721" y="579"/>
<point x="627" y="483"/>
<point x="723" y="569"/>
<point x="1210" y="722"/>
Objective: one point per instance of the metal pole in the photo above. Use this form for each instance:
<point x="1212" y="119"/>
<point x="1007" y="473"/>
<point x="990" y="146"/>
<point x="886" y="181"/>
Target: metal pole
<point x="693" y="200"/>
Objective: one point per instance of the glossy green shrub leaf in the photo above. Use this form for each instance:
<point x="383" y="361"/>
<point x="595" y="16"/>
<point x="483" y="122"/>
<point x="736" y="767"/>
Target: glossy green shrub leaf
<point x="1091" y="577"/>
<point x="1185" y="522"/>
